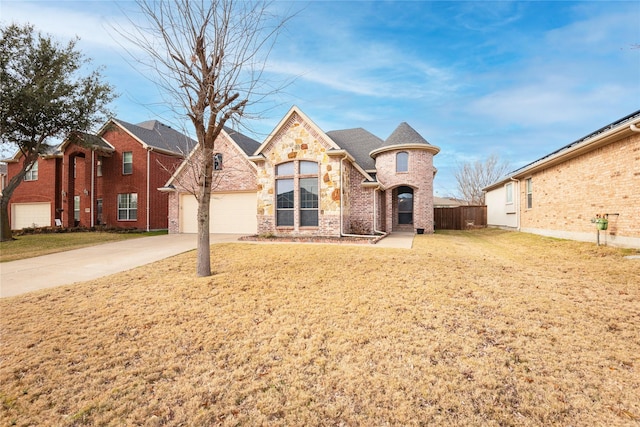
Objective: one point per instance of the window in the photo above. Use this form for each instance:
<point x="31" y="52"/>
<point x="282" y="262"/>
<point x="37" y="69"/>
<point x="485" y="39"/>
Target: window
<point x="127" y="207"/>
<point x="32" y="172"/>
<point x="529" y="186"/>
<point x="127" y="163"/>
<point x="217" y="162"/>
<point x="509" y="193"/>
<point x="402" y="162"/>
<point x="76" y="208"/>
<point x="405" y="205"/>
<point x="297" y="189"/>
<point x="99" y="166"/>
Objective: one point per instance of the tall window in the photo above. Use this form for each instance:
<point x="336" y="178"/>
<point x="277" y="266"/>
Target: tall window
<point x="402" y="162"/>
<point x="529" y="187"/>
<point x="509" y="193"/>
<point x="99" y="166"/>
<point x="127" y="163"/>
<point x="217" y="162"/>
<point x="76" y="208"/>
<point x="405" y="205"/>
<point x="32" y="172"/>
<point x="297" y="189"/>
<point x="128" y="207"/>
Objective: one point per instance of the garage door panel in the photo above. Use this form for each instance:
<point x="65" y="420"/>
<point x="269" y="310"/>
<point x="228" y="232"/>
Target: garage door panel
<point x="25" y="215"/>
<point x="229" y="213"/>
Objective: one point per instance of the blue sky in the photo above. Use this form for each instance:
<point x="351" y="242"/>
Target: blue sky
<point x="518" y="79"/>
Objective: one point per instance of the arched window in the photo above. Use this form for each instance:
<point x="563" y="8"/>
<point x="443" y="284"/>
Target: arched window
<point x="217" y="162"/>
<point x="297" y="190"/>
<point x="402" y="162"/>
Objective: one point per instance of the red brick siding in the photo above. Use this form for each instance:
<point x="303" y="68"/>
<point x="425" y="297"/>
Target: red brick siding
<point x="41" y="190"/>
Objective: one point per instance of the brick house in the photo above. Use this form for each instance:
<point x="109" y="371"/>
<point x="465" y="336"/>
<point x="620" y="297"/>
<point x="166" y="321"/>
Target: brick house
<point x="559" y="194"/>
<point x="110" y="178"/>
<point x="303" y="181"/>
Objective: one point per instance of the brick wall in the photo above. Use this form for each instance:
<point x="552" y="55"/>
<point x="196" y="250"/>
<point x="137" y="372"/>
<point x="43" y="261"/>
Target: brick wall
<point x="238" y="174"/>
<point x="41" y="190"/>
<point x="419" y="177"/>
<point x="568" y="195"/>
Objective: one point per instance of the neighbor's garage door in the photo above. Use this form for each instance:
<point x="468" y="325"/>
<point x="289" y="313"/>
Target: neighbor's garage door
<point x="24" y="215"/>
<point x="229" y="213"/>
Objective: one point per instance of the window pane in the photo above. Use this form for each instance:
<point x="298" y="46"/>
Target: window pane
<point x="309" y="218"/>
<point x="308" y="168"/>
<point x="127" y="162"/>
<point x="309" y="193"/>
<point x="284" y="191"/>
<point x="509" y="191"/>
<point x="405" y="218"/>
<point x="402" y="162"/>
<point x="285" y="169"/>
<point x="284" y="217"/>
<point x="217" y="161"/>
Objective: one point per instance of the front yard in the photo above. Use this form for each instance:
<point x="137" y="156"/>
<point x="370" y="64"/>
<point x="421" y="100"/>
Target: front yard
<point x="468" y="328"/>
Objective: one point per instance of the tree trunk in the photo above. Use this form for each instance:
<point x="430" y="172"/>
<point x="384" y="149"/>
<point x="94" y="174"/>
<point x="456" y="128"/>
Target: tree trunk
<point x="5" y="227"/>
<point x="203" y="264"/>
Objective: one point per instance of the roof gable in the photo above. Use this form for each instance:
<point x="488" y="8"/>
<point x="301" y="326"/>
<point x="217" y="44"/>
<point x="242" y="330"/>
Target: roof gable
<point x="294" y="114"/>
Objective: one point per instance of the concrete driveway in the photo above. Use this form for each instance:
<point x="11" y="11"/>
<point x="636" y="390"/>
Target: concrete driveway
<point x="80" y="265"/>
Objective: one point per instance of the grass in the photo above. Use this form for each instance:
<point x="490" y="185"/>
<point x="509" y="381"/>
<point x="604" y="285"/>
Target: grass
<point x="32" y="245"/>
<point x="468" y="328"/>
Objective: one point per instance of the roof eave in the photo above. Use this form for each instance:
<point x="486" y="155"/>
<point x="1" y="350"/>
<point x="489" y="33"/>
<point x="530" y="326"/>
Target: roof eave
<point x="427" y="147"/>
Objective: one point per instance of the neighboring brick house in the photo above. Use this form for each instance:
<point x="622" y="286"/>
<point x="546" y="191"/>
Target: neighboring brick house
<point x="559" y="194"/>
<point x="110" y="179"/>
<point x="303" y="181"/>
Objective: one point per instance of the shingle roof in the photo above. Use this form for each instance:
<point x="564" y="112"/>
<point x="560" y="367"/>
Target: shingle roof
<point x="359" y="143"/>
<point x="248" y="145"/>
<point x="405" y="134"/>
<point x="158" y="135"/>
<point x="94" y="141"/>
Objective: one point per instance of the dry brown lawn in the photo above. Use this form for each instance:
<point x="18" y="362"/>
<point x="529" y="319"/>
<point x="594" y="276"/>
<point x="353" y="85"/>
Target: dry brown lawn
<point x="468" y="328"/>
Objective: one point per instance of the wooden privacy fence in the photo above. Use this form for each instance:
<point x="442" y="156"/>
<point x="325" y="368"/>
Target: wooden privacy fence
<point x="460" y="217"/>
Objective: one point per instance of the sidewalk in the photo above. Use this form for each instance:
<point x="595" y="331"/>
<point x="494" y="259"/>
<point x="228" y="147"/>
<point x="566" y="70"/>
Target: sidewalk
<point x="79" y="265"/>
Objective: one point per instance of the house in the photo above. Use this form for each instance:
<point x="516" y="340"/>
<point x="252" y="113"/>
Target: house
<point x="110" y="178"/>
<point x="559" y="194"/>
<point x="304" y="181"/>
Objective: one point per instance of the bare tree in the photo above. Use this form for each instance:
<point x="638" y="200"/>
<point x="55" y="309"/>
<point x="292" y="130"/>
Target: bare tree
<point x="473" y="177"/>
<point x="208" y="57"/>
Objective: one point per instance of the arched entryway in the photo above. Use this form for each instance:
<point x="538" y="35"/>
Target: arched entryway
<point x="403" y="212"/>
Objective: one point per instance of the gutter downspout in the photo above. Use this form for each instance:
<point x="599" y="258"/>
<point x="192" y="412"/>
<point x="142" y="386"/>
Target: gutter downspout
<point x="148" y="185"/>
<point x="342" y="234"/>
<point x="517" y="181"/>
<point x="93" y="186"/>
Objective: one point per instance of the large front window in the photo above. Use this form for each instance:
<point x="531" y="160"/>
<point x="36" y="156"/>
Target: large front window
<point x="297" y="192"/>
<point x="127" y="207"/>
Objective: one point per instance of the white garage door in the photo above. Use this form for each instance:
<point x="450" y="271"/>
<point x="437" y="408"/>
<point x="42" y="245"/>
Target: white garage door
<point x="229" y="213"/>
<point x="24" y="215"/>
